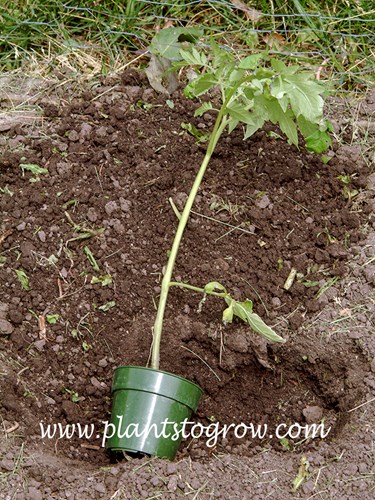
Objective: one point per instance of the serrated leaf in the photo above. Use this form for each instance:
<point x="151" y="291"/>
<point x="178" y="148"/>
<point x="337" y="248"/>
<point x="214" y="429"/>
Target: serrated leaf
<point x="193" y="57"/>
<point x="200" y="85"/>
<point x="221" y="56"/>
<point x="238" y="112"/>
<point x="257" y="87"/>
<point x="232" y="124"/>
<point x="251" y="128"/>
<point x="250" y="62"/>
<point x="284" y="102"/>
<point x="305" y="98"/>
<point x="22" y="278"/>
<point x="214" y="286"/>
<point x="206" y="106"/>
<point x="285" y="121"/>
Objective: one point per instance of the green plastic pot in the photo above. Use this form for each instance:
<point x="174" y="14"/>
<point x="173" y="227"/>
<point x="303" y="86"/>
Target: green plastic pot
<point x="149" y="408"/>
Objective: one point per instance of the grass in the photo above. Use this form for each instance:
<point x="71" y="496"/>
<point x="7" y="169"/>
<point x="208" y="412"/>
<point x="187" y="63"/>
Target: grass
<point x="335" y="36"/>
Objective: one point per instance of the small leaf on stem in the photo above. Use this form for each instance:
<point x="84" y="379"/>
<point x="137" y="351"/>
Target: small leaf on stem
<point x="214" y="286"/>
<point x="206" y="106"/>
<point x="228" y="314"/>
<point x="250" y="62"/>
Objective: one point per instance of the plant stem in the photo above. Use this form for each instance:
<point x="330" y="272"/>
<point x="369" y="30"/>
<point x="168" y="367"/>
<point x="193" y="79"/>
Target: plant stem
<point x="197" y="289"/>
<point x="220" y="124"/>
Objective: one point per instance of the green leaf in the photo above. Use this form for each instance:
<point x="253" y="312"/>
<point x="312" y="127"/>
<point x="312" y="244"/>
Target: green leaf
<point x="281" y="67"/>
<point x="195" y="132"/>
<point x="221" y="57"/>
<point x="301" y="475"/>
<point x="23" y="279"/>
<point x="52" y="260"/>
<point x="103" y="280"/>
<point x="168" y="42"/>
<point x="91" y="258"/>
<point x="251" y="128"/>
<point x="232" y="124"/>
<point x="243" y="309"/>
<point x="306" y="127"/>
<point x="318" y="142"/>
<point x="259" y="326"/>
<point x="326" y="159"/>
<point x="238" y="112"/>
<point x="284" y="103"/>
<point x="303" y="95"/>
<point x="228" y="314"/>
<point x="52" y="318"/>
<point x="33" y="168"/>
<point x="214" y="286"/>
<point x="193" y="57"/>
<point x="257" y="87"/>
<point x="250" y="62"/>
<point x="206" y="106"/>
<point x="305" y="98"/>
<point x="106" y="307"/>
<point x="309" y="283"/>
<point x="235" y="75"/>
<point x="285" y="121"/>
<point x="85" y="346"/>
<point x="278" y="66"/>
<point x="200" y="85"/>
<point x="75" y="397"/>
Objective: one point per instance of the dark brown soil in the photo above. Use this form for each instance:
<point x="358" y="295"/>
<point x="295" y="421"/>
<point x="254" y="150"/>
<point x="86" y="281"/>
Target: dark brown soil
<point x="114" y="158"/>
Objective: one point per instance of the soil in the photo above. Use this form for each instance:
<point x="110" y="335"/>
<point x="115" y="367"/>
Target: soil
<point x="115" y="154"/>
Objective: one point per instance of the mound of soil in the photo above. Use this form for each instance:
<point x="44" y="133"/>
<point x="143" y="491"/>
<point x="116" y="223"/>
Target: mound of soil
<point x="83" y="245"/>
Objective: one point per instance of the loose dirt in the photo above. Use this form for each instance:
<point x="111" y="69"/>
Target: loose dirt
<point x="91" y="234"/>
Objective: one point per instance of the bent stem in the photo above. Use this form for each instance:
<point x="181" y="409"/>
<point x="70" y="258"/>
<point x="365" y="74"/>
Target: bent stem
<point x="220" y="124"/>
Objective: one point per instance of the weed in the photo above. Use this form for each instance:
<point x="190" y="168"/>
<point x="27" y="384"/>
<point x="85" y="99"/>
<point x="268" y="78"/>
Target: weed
<point x="91" y="258"/>
<point x="107" y="306"/>
<point x="74" y="396"/>
<point x="103" y="280"/>
<point x="219" y="205"/>
<point x="52" y="319"/>
<point x="349" y="194"/>
<point x="23" y="279"/>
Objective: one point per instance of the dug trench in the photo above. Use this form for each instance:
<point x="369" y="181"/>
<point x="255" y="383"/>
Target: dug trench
<point x="92" y="233"/>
